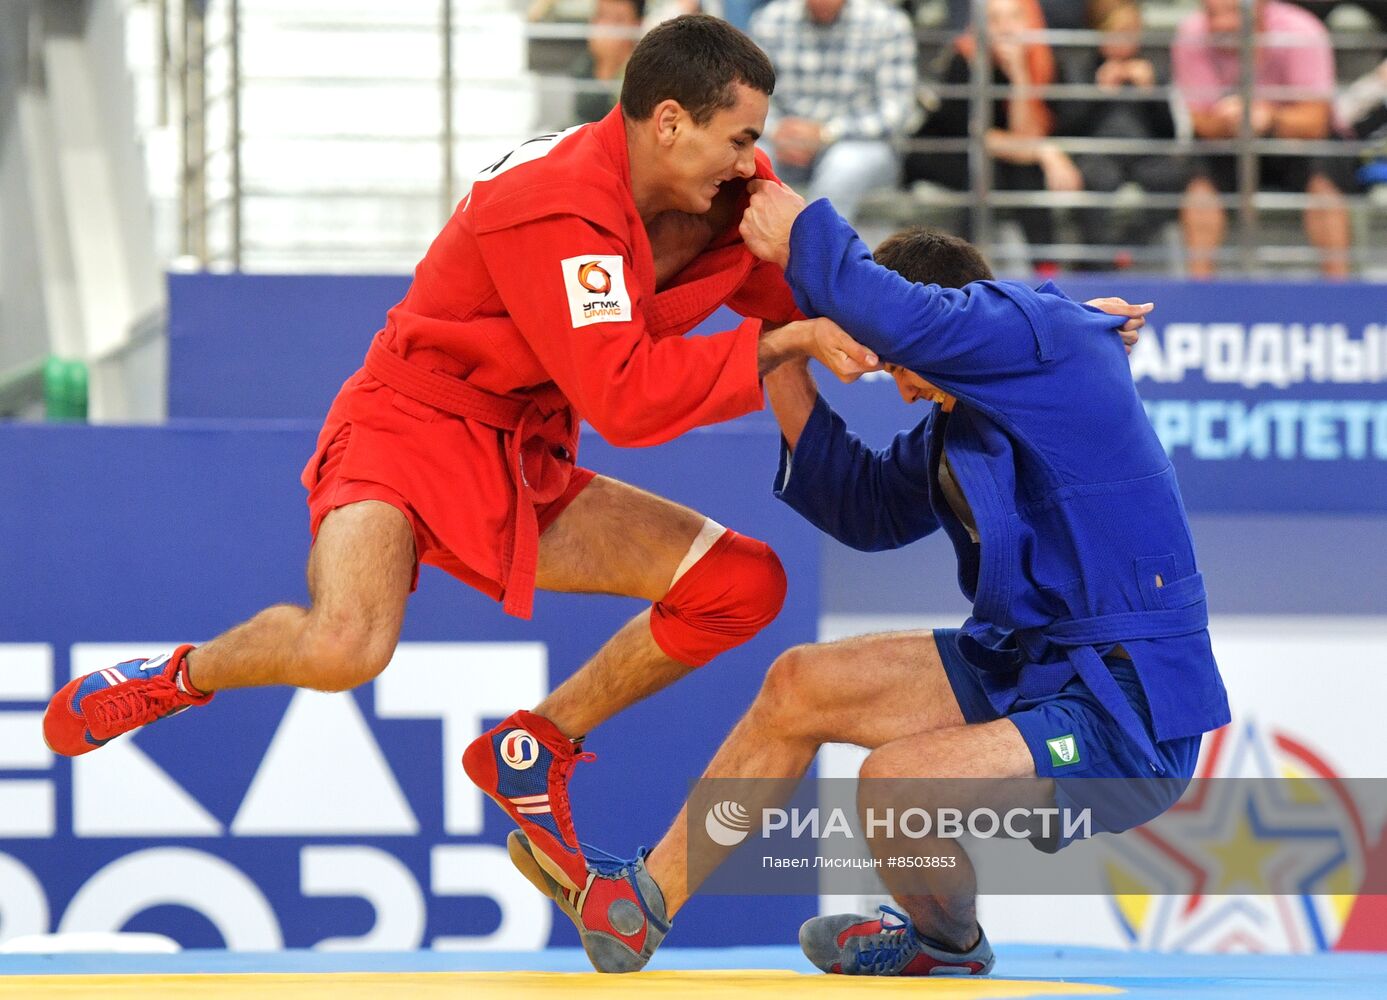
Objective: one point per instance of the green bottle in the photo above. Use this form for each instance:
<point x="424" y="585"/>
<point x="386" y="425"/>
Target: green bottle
<point x="65" y="389"/>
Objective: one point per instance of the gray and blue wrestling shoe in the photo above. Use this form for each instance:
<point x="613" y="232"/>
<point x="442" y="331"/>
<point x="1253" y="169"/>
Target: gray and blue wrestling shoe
<point x="852" y="945"/>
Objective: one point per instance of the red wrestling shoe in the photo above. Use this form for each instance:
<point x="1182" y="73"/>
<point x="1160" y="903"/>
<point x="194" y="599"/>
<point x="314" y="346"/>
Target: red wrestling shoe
<point x="91" y="711"/>
<point x="524" y="764"/>
<point x="619" y="913"/>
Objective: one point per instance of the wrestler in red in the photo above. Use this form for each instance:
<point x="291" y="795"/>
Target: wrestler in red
<point x="558" y="292"/>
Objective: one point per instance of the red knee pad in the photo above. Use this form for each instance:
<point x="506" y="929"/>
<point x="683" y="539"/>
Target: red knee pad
<point x="724" y="599"/>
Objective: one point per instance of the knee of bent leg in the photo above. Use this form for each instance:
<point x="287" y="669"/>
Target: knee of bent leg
<point x="879" y="763"/>
<point x="921" y="756"/>
<point x="793" y="687"/>
<point x="339" y="656"/>
<point x="889" y="783"/>
<point x="757" y="582"/>
<point x="724" y="599"/>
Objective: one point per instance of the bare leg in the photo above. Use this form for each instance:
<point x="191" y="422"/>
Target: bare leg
<point x="942" y="902"/>
<point x="358" y="579"/>
<point x="629" y="668"/>
<point x="615" y="539"/>
<point x="806" y="701"/>
<point x="1203" y="223"/>
<point x="1327" y="226"/>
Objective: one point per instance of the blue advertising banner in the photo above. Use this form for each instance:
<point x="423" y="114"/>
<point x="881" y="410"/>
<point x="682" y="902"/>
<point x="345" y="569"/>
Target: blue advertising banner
<point x="275" y="817"/>
<point x="267" y="345"/>
<point x="1267" y="397"/>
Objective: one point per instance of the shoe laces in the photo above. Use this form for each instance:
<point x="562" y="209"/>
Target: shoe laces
<point x="128" y="706"/>
<point x="558" y="794"/>
<point x="905" y="922"/>
<point x="611" y="865"/>
<point x="884" y="949"/>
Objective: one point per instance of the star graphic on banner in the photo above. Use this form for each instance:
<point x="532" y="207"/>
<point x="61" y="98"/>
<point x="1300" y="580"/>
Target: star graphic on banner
<point x="1248" y="853"/>
<point x="1241" y="860"/>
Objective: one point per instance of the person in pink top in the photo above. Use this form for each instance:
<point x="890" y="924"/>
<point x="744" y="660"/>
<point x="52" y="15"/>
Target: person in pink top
<point x="1206" y="71"/>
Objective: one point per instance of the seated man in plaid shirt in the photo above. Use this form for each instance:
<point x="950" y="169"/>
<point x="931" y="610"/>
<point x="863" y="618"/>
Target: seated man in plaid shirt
<point x="845" y="90"/>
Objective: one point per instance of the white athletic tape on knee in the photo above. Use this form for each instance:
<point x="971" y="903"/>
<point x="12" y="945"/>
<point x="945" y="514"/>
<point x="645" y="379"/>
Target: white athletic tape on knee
<point x="707" y="535"/>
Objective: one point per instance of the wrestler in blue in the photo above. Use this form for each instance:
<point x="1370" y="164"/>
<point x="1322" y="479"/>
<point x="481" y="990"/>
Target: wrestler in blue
<point x="1087" y="653"/>
<point x="1072" y="535"/>
<point x="1088" y="649"/>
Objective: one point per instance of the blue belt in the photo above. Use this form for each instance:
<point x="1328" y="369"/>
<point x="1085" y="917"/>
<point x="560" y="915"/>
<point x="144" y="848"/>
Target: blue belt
<point x="1079" y="636"/>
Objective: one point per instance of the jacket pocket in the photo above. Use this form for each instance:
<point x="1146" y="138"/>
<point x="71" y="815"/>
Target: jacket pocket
<point x="1160" y="590"/>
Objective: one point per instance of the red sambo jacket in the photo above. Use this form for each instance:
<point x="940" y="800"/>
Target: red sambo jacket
<point x="533" y="308"/>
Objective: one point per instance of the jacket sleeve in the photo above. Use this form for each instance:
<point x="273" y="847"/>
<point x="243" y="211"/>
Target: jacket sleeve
<point x="634" y="389"/>
<point x="962" y="334"/>
<point x="870" y="500"/>
<point x="765" y="295"/>
<point x="966" y="339"/>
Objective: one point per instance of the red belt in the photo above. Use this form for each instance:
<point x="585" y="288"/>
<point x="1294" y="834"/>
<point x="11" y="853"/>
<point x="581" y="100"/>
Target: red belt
<point x="520" y="421"/>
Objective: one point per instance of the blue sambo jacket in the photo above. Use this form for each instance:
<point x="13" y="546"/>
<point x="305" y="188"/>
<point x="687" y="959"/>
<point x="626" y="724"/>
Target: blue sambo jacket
<point x="1084" y="541"/>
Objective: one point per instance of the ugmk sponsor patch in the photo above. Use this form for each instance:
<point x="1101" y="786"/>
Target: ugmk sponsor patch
<point x="596" y="289"/>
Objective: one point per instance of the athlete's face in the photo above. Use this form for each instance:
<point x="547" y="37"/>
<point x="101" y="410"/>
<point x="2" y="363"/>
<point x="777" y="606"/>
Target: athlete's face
<point x="704" y="157"/>
<point x="912" y="388"/>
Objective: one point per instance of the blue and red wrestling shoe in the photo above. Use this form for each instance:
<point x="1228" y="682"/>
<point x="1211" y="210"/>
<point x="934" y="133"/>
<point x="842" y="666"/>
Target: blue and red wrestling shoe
<point x="853" y="945"/>
<point x="619" y="912"/>
<point x="92" y="710"/>
<point x="524" y="765"/>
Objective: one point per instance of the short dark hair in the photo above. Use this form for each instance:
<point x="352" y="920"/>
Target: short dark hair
<point x="696" y="60"/>
<point x="931" y="257"/>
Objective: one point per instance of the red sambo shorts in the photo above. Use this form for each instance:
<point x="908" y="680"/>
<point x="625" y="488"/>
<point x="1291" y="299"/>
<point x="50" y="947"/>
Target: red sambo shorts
<point x="446" y="474"/>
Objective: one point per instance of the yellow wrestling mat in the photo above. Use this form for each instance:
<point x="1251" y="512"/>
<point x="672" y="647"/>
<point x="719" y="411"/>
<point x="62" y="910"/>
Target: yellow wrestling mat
<point x="698" y="984"/>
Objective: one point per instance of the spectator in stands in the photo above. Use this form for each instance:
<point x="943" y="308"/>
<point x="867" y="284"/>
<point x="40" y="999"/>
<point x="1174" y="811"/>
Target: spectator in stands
<point x="844" y="94"/>
<point x="1015" y="123"/>
<point x="613" y="25"/>
<point x="1119" y="64"/>
<point x="1040" y="59"/>
<point x="1207" y="72"/>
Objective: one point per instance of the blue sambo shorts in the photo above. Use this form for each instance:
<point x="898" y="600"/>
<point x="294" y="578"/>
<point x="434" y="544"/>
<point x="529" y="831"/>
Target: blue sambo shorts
<point x="1075" y="741"/>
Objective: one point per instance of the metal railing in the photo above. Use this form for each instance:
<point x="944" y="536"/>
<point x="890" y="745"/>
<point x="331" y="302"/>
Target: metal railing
<point x="205" y="70"/>
<point x="982" y="201"/>
<point x="214" y="186"/>
<point x="1251" y="255"/>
